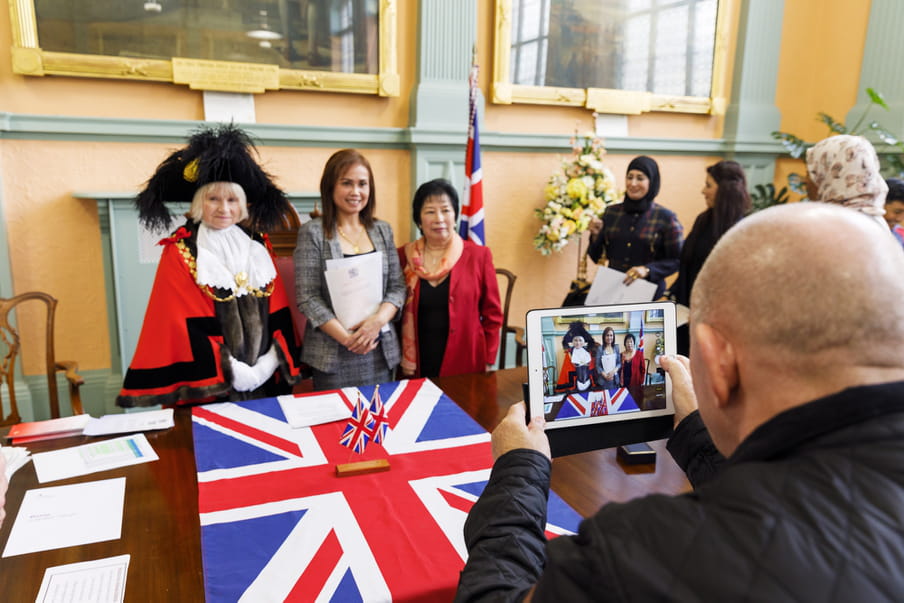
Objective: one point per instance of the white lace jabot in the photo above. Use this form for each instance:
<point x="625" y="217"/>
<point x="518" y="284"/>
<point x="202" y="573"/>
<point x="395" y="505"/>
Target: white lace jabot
<point x="230" y="259"/>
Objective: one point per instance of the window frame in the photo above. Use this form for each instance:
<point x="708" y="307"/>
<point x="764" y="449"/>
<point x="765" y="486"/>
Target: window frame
<point x="611" y="100"/>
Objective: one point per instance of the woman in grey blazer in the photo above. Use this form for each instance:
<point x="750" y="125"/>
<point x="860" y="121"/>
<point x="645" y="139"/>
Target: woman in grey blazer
<point x="369" y="352"/>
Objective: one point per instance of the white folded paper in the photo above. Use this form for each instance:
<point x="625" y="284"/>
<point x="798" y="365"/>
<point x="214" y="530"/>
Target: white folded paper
<point x="304" y="411"/>
<point x="356" y="286"/>
<point x="130" y="422"/>
<point x="15" y="457"/>
<point x="608" y="288"/>
<point x="64" y="516"/>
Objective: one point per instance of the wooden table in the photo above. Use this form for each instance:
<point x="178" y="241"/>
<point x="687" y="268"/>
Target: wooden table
<point x="161" y="528"/>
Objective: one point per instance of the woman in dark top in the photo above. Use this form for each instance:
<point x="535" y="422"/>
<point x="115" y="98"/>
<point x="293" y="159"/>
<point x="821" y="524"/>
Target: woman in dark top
<point x="452" y="314"/>
<point x="727" y="201"/>
<point x="638" y="236"/>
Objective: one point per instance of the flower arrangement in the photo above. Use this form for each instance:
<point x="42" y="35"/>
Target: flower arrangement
<point x="579" y="192"/>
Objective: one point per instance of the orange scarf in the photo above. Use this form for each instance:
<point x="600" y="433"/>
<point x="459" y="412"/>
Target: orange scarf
<point x="414" y="270"/>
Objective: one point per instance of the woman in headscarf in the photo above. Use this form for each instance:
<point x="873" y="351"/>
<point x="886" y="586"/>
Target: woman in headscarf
<point x="727" y="201"/>
<point x="638" y="236"/>
<point x="452" y="314"/>
<point x="218" y="324"/>
<point x="844" y="169"/>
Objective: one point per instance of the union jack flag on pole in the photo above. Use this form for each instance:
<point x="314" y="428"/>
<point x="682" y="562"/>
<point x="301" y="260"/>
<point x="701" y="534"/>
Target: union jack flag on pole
<point x="471" y="225"/>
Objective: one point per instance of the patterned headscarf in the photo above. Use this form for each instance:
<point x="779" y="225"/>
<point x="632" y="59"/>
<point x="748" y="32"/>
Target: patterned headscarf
<point x="845" y="170"/>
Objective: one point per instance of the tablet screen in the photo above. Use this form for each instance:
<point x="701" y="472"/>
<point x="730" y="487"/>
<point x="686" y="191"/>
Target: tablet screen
<point x="600" y="364"/>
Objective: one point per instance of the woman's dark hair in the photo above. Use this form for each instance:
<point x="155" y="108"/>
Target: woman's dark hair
<point x="335" y="166"/>
<point x="631" y="337"/>
<point x="732" y="200"/>
<point x="434" y="188"/>
<point x="895" y="190"/>
<point x="606" y="331"/>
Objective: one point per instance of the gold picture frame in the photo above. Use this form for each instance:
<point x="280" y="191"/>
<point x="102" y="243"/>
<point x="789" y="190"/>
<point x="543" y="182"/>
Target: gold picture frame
<point x="220" y="75"/>
<point x="608" y="100"/>
<point x="655" y="316"/>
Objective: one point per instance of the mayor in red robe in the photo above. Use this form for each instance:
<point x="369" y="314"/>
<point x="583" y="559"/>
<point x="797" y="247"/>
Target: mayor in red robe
<point x="218" y="324"/>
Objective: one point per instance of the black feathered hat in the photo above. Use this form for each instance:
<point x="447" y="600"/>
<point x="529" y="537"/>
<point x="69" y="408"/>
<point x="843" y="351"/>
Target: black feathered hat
<point x="220" y="154"/>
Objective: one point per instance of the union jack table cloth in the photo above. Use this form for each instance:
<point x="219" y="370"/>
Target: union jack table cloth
<point x="278" y="524"/>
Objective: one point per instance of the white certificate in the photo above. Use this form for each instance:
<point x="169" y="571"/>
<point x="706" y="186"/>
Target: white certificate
<point x="63" y="516"/>
<point x="100" y="581"/>
<point x="306" y="410"/>
<point x="356" y="286"/>
<point x="609" y="288"/>
<point x="91" y="458"/>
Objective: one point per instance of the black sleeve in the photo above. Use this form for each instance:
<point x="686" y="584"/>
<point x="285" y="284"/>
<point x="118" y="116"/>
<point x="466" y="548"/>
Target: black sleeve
<point x="596" y="246"/>
<point x="506" y="530"/>
<point x="693" y="449"/>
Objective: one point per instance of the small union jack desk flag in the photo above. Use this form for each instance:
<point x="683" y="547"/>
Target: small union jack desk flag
<point x="360" y="427"/>
<point x="378" y="412"/>
<point x="277" y="524"/>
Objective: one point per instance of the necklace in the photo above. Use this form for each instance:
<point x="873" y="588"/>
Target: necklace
<point x="355" y="247"/>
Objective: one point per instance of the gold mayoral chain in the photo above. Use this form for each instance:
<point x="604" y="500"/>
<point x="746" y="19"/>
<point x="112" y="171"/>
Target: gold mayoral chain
<point x="355" y="247"/>
<point x="241" y="279"/>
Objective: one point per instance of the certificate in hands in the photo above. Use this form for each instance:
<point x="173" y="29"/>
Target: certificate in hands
<point x="609" y="288"/>
<point x="356" y="286"/>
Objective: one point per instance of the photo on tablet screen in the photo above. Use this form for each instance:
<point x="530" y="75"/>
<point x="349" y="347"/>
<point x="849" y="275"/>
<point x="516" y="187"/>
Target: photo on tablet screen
<point x="600" y="363"/>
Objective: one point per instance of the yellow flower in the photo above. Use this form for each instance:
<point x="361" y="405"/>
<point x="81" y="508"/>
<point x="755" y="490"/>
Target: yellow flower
<point x="576" y="188"/>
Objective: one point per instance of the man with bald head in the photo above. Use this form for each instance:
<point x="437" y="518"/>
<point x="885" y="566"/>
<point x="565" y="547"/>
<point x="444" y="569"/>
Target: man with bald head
<point x="789" y="424"/>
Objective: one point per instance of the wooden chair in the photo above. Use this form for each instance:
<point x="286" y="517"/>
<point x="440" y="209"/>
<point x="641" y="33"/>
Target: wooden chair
<point x="518" y="332"/>
<point x="10" y="337"/>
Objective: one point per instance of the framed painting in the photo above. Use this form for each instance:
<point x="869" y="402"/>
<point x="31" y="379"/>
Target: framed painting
<point x="613" y="56"/>
<point x="224" y="45"/>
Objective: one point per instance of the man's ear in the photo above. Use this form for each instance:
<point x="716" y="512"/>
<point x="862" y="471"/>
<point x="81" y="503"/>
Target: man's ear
<point x="719" y="359"/>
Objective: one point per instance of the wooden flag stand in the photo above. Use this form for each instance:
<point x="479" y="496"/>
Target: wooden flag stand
<point x="361" y="467"/>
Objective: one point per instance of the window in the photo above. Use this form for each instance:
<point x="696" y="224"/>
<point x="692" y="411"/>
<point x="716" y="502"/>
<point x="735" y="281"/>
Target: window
<point x="660" y="54"/>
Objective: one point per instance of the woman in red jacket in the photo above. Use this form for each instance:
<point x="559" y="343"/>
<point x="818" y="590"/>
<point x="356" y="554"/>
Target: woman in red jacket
<point x="452" y="314"/>
<point x="633" y="370"/>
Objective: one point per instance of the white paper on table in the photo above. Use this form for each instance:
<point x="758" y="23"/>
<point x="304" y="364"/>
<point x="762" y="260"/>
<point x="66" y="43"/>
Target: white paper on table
<point x="16" y="457"/>
<point x="608" y="288"/>
<point x="305" y="411"/>
<point x="130" y="422"/>
<point x="62" y="516"/>
<point x="100" y="581"/>
<point x="356" y="286"/>
<point x="91" y="458"/>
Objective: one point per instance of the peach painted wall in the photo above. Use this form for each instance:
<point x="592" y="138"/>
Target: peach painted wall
<point x="822" y="49"/>
<point x="50" y="232"/>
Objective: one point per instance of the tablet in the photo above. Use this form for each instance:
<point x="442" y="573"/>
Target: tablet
<point x="595" y="395"/>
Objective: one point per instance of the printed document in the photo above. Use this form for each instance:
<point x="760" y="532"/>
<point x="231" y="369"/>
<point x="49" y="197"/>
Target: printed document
<point x="99" y="581"/>
<point x="91" y="458"/>
<point x="63" y="516"/>
<point x="307" y="410"/>
<point x="130" y="422"/>
<point x="356" y="286"/>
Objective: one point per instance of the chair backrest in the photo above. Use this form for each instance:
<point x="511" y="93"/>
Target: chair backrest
<point x="510" y="278"/>
<point x="10" y="337"/>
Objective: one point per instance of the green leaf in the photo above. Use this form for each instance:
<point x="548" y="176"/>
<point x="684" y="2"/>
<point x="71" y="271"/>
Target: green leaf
<point x="797" y="183"/>
<point x="883" y="134"/>
<point x="793" y="145"/>
<point x="834" y="126"/>
<point x="877" y="98"/>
